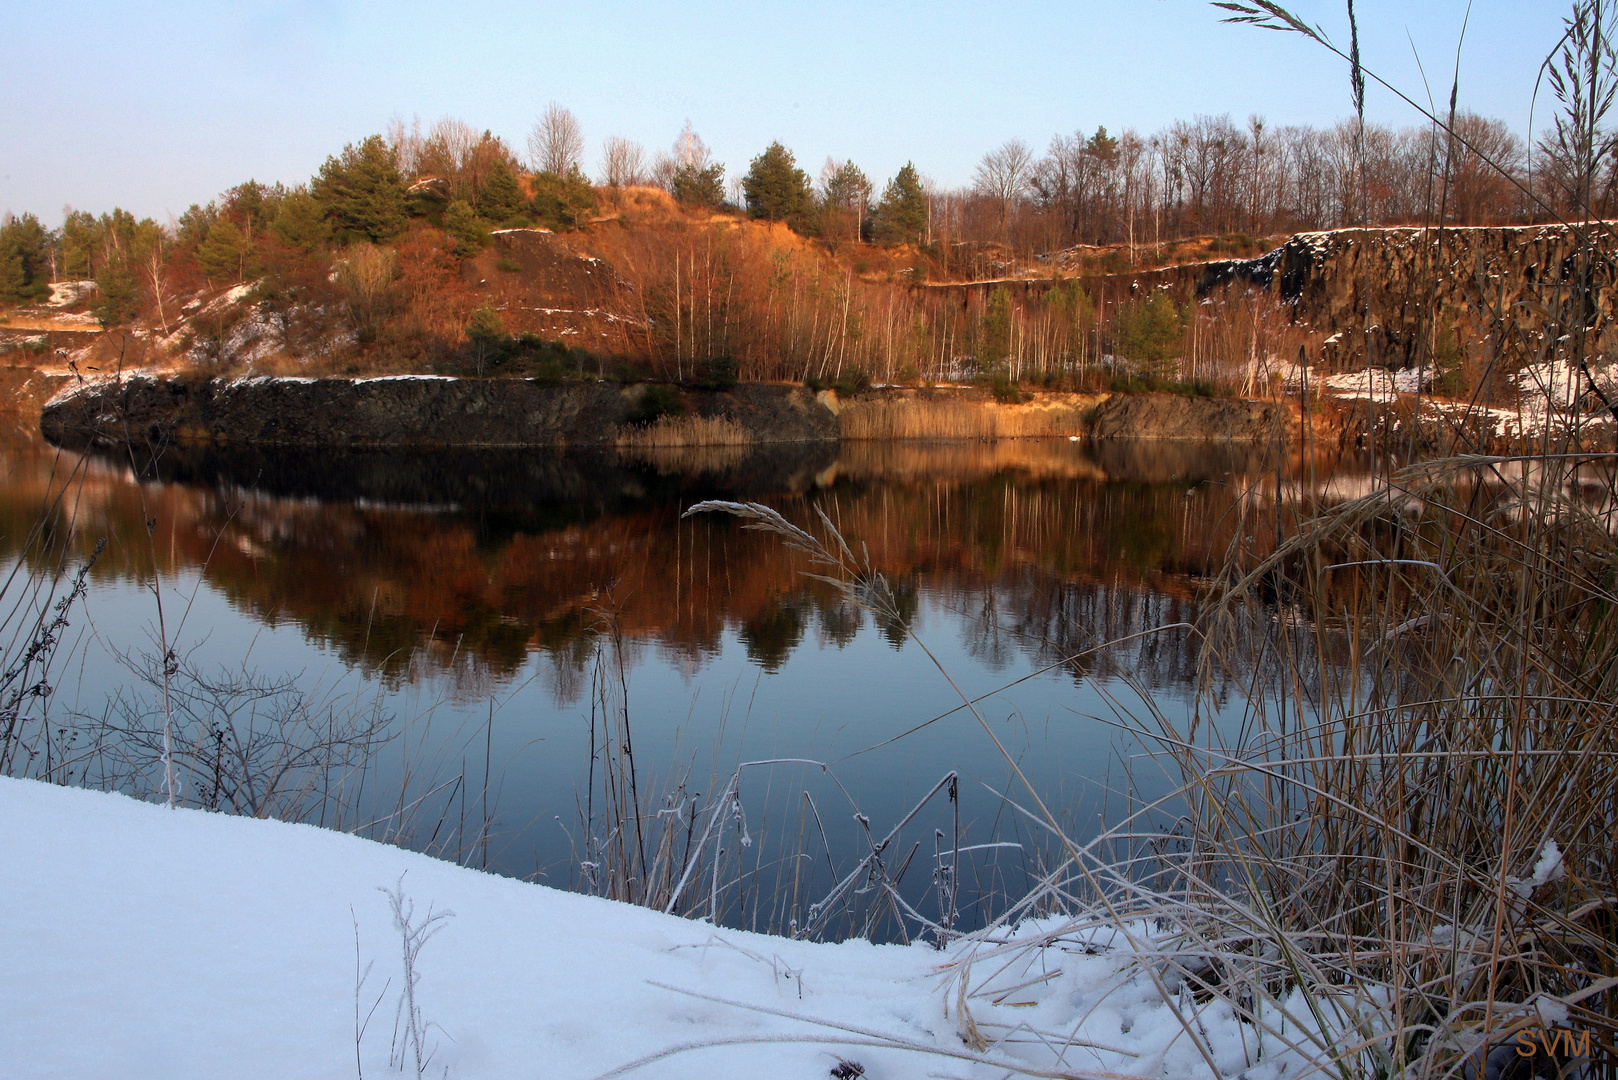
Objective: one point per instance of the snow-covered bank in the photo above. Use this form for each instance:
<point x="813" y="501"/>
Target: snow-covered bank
<point x="145" y="942"/>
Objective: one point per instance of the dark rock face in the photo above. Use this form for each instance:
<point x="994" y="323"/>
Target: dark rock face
<point x="1406" y="280"/>
<point x="1399" y="281"/>
<point x="333" y="415"/>
<point x="1171" y="416"/>
<point x="392" y="412"/>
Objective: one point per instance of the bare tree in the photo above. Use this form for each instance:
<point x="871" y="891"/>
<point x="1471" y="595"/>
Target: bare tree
<point x="690" y="152"/>
<point x="556" y="144"/>
<point x="623" y="162"/>
<point x="1002" y="175"/>
<point x="405" y="140"/>
<point x="447" y="148"/>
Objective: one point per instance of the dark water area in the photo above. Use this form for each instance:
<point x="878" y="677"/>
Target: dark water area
<point x="544" y="636"/>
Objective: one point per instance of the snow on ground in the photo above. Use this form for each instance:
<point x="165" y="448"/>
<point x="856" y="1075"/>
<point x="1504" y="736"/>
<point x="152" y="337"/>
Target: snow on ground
<point x="1376" y="382"/>
<point x="64" y="293"/>
<point x="144" y="942"/>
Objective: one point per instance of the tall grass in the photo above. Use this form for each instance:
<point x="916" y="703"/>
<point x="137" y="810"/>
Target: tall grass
<point x="950" y="414"/>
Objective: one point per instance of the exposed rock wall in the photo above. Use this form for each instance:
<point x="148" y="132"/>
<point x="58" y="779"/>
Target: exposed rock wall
<point x="429" y="413"/>
<point x="423" y="412"/>
<point x="1402" y="281"/>
<point x="1405" y="281"/>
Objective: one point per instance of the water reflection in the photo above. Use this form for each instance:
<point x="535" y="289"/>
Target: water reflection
<point x="410" y="561"/>
<point x="475" y="575"/>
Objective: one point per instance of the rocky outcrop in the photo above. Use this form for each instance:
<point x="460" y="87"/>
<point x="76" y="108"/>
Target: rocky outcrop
<point x="1401" y="282"/>
<point x="1172" y="416"/>
<point x="429" y="413"/>
<point x="407" y="411"/>
<point x="23" y="394"/>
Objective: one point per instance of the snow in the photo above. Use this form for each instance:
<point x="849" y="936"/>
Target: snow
<point x="1376" y="383"/>
<point x="64" y="293"/>
<point x="1549" y="868"/>
<point x="406" y="378"/>
<point x="143" y="942"/>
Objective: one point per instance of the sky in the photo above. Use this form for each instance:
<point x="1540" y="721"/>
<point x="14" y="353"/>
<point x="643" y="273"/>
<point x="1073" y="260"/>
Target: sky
<point x="155" y="106"/>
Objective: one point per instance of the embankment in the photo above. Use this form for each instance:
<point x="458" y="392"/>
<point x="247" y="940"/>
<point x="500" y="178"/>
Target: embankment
<point x="1399" y="281"/>
<point x="441" y="412"/>
<point x="23" y="394"/>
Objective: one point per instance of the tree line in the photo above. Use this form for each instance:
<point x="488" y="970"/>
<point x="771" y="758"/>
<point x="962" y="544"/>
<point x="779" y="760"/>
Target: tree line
<point x="1206" y="176"/>
<point x="379" y="235"/>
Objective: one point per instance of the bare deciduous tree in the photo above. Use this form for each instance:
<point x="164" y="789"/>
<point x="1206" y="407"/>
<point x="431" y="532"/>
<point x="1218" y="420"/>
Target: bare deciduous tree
<point x="406" y="141"/>
<point x="1002" y="175"/>
<point x="623" y="162"/>
<point x="556" y="144"/>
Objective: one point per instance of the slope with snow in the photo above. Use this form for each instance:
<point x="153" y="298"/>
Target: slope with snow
<point x="147" y="942"/>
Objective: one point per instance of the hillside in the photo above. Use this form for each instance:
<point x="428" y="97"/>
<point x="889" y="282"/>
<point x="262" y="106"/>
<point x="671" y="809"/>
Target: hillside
<point x="643" y="288"/>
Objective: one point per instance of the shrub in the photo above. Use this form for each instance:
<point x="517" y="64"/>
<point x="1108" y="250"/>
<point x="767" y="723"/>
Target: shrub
<point x="1005" y="389"/>
<point x="1151" y="331"/>
<point x="851" y="381"/>
<point x="656" y="402"/>
<point x="719" y="373"/>
<point x="562" y="202"/>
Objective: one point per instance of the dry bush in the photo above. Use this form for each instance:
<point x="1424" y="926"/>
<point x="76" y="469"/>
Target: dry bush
<point x="683" y="431"/>
<point x="952" y="415"/>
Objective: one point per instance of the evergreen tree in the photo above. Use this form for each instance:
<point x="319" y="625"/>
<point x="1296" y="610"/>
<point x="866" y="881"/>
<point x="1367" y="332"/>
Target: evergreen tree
<point x="222" y="255"/>
<point x="1151" y="332"/>
<point x="470" y="233"/>
<point x="562" y="202"/>
<point x="901" y="216"/>
<point x="847" y="203"/>
<point x="776" y="189"/>
<point x="485" y="335"/>
<point x="362" y="192"/>
<point x="699" y="186"/>
<point x="997" y="326"/>
<point x="501" y="198"/>
<point x="252" y="205"/>
<point x="194" y="224"/>
<point x="24" y="260"/>
<point x="81" y="245"/>
<point x="13" y="281"/>
<point x="301" y="223"/>
<point x="117" y="291"/>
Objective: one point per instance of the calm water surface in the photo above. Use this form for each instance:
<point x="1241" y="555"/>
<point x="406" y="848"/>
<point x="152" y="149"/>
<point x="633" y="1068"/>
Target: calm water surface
<point x="495" y="604"/>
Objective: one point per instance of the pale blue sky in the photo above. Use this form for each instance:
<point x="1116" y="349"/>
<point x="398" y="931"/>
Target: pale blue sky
<point x="153" y="106"/>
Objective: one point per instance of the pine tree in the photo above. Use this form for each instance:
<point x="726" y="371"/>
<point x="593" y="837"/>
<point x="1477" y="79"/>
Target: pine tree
<point x="223" y="252"/>
<point x="81" y="244"/>
<point x="24" y="263"/>
<point x="847" y="202"/>
<point x="997" y="329"/>
<point x="485" y="335"/>
<point x="699" y="186"/>
<point x="301" y="223"/>
<point x="462" y="223"/>
<point x="776" y="189"/>
<point x="118" y="293"/>
<point x="501" y="198"/>
<point x="362" y="192"/>
<point x="901" y="216"/>
<point x="562" y="202"/>
<point x="13" y="281"/>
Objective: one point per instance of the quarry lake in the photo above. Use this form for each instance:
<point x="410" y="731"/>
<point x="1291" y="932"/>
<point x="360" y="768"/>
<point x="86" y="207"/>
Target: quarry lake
<point x="499" y="656"/>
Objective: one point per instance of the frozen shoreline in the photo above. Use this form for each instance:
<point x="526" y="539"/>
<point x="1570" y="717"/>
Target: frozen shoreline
<point x="178" y="943"/>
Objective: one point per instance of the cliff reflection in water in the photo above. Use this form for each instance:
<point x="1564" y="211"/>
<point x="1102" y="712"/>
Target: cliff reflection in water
<point x="469" y="561"/>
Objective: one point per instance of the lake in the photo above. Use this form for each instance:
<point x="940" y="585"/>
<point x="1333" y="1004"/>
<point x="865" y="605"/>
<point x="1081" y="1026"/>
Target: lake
<point x="498" y="656"/>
